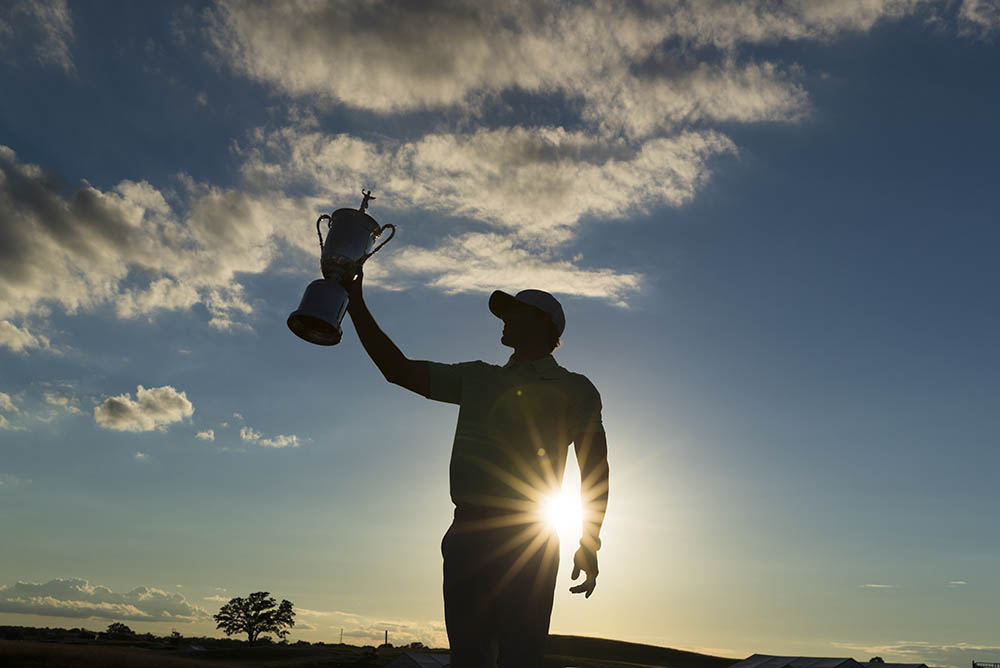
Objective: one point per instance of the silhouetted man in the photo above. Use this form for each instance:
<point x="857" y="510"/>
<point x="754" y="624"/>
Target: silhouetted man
<point x="515" y="425"/>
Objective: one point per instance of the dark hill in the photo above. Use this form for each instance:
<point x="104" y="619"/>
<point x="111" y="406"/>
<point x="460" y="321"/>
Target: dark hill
<point x="566" y="648"/>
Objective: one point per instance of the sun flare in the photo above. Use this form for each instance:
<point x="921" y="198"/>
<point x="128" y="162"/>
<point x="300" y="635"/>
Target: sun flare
<point x="563" y="513"/>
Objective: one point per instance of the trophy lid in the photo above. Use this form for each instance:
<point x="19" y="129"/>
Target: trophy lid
<point x="360" y="214"/>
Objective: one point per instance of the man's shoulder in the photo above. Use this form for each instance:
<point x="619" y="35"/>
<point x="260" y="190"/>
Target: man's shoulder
<point x="579" y="382"/>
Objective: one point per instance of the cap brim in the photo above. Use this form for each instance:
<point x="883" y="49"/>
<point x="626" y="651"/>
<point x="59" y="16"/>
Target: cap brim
<point x="501" y="303"/>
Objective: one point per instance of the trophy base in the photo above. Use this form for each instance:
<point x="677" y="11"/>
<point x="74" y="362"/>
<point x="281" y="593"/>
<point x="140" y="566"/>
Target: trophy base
<point x="314" y="330"/>
<point x="320" y="313"/>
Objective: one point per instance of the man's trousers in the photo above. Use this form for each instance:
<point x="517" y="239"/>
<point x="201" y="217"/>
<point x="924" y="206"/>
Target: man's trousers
<point x="499" y="582"/>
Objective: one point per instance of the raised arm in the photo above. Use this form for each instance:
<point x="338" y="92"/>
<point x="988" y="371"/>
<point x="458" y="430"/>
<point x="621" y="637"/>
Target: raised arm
<point x="592" y="456"/>
<point x="394" y="365"/>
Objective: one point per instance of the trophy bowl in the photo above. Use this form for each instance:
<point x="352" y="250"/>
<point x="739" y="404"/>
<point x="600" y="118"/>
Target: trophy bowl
<point x="318" y="318"/>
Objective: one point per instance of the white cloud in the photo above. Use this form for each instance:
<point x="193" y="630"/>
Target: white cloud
<point x="153" y="408"/>
<point x="207" y="435"/>
<point x="644" y="74"/>
<point x="280" y="441"/>
<point x="878" y="586"/>
<point x="141" y="456"/>
<point x="127" y="247"/>
<point x="20" y="339"/>
<point x="43" y="27"/>
<point x="219" y="599"/>
<point x="248" y="434"/>
<point x="957" y="583"/>
<point x="77" y="598"/>
<point x="7" y="404"/>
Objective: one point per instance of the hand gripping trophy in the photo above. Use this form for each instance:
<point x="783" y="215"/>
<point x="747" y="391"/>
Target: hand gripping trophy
<point x="351" y="233"/>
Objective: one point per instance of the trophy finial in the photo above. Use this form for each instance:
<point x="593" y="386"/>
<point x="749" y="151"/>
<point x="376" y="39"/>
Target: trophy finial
<point x="364" y="202"/>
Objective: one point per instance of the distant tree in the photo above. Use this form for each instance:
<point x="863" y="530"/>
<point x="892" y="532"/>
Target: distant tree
<point x="119" y="629"/>
<point x="876" y="659"/>
<point x="254" y="615"/>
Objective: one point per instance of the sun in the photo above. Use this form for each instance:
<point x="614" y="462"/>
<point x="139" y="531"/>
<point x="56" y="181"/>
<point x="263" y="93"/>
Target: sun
<point x="563" y="513"/>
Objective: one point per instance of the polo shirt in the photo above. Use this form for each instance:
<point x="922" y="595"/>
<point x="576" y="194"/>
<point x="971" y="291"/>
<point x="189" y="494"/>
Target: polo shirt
<point x="515" y="425"/>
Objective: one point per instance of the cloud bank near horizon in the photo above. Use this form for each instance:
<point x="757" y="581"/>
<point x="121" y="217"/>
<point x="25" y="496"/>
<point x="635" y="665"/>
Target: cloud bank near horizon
<point x="77" y="598"/>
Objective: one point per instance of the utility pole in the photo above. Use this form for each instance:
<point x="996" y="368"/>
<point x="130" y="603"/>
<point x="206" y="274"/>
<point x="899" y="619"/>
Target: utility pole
<point x="387" y="636"/>
<point x="341" y="636"/>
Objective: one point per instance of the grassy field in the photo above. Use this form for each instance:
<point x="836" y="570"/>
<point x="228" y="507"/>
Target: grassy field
<point x="26" y="653"/>
<point x="565" y="651"/>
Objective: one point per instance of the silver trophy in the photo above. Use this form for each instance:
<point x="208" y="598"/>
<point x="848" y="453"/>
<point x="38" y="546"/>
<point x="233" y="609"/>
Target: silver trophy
<point x="350" y="237"/>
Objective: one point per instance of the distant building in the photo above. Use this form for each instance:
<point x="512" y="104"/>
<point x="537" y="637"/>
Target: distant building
<point x="769" y="661"/>
<point x="420" y="660"/>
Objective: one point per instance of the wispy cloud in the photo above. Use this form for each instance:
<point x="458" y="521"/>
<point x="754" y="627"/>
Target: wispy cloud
<point x="447" y="54"/>
<point x="41" y="27"/>
<point x="980" y="17"/>
<point x="539" y="182"/>
<point x="19" y="339"/>
<point x="877" y="586"/>
<point x="946" y="655"/>
<point x="207" y="435"/>
<point x="8" y="481"/>
<point x="279" y="441"/>
<point x="363" y="629"/>
<point x="64" y="401"/>
<point x="485" y="262"/>
<point x="639" y="127"/>
<point x="141" y="456"/>
<point x="7" y="403"/>
<point x="153" y="408"/>
<point x="6" y="425"/>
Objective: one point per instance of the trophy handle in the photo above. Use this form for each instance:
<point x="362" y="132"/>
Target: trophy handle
<point x="320" y="234"/>
<point x="374" y="250"/>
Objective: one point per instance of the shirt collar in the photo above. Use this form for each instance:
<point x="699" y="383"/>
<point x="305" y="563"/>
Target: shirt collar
<point x="545" y="367"/>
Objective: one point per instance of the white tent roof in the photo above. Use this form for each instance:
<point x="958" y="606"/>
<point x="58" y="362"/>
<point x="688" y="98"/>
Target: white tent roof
<point x="420" y="660"/>
<point x="769" y="661"/>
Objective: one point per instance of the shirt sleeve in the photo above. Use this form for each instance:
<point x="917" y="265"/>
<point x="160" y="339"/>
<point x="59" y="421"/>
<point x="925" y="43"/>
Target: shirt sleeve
<point x="585" y="410"/>
<point x="445" y="381"/>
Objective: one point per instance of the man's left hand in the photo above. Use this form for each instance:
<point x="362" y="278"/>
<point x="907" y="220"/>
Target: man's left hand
<point x="585" y="560"/>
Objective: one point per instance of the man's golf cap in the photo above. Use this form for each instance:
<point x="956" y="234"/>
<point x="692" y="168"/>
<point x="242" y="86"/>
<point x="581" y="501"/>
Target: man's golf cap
<point x="501" y="303"/>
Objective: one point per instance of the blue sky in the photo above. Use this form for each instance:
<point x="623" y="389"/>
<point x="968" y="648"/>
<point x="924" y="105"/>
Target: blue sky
<point x="773" y="229"/>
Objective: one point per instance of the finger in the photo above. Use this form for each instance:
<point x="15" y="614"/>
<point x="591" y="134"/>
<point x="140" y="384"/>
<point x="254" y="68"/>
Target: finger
<point x="587" y="588"/>
<point x="576" y="573"/>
